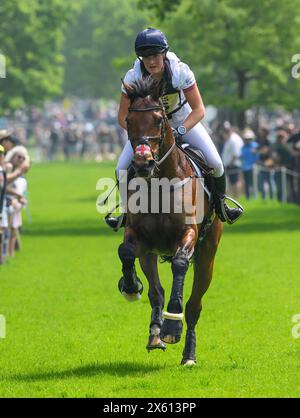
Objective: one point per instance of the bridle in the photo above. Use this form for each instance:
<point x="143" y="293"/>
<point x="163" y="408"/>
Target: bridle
<point x="144" y="140"/>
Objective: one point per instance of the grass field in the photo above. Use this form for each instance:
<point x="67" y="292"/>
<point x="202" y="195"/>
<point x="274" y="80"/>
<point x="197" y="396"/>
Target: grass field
<point x="71" y="334"/>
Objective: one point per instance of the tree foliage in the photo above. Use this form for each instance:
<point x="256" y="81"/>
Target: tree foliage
<point x="32" y="37"/>
<point x="99" y="47"/>
<point x="241" y="51"/>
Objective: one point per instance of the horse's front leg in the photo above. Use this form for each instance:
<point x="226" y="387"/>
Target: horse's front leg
<point x="156" y="296"/>
<point x="129" y="285"/>
<point x="172" y="326"/>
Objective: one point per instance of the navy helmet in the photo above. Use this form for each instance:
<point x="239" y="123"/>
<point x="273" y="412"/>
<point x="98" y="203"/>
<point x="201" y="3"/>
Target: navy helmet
<point x="150" y="42"/>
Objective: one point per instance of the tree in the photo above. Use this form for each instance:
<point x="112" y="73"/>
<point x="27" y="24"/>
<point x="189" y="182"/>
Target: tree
<point x="241" y="51"/>
<point x="99" y="47"/>
<point x="32" y="37"/>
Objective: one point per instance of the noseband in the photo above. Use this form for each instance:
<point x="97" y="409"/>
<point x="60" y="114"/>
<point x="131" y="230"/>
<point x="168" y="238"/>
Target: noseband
<point x="145" y="139"/>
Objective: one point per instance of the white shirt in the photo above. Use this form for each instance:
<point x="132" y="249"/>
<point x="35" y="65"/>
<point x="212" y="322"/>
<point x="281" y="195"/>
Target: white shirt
<point x="182" y="79"/>
<point x="20" y="185"/>
<point x="232" y="150"/>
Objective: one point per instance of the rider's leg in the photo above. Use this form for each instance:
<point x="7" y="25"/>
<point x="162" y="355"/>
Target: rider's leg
<point x="123" y="163"/>
<point x="125" y="158"/>
<point x="199" y="139"/>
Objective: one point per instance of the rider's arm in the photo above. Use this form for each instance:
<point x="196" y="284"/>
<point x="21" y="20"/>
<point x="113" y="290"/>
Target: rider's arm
<point x="194" y="99"/>
<point x="123" y="110"/>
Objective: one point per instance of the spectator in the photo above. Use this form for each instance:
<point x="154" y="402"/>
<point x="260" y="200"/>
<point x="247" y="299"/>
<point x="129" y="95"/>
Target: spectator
<point x="54" y="138"/>
<point x="16" y="192"/>
<point x="3" y="212"/>
<point x="7" y="140"/>
<point x="231" y="156"/>
<point x="266" y="163"/>
<point x="249" y="157"/>
<point x="283" y="156"/>
<point x="294" y="143"/>
<point x="70" y="141"/>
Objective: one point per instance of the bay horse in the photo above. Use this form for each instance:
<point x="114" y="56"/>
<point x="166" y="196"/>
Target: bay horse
<point x="150" y="235"/>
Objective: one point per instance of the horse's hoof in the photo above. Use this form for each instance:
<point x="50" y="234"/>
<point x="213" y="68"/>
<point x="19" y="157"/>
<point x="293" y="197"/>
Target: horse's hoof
<point x="171" y="331"/>
<point x="131" y="294"/>
<point x="160" y="346"/>
<point x="155" y="343"/>
<point x="188" y="363"/>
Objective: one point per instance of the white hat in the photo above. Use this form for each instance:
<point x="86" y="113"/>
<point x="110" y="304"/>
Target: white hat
<point x="248" y="134"/>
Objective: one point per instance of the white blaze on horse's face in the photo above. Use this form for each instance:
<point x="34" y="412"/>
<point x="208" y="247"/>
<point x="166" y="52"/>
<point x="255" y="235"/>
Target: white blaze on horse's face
<point x="143" y="152"/>
<point x="143" y="160"/>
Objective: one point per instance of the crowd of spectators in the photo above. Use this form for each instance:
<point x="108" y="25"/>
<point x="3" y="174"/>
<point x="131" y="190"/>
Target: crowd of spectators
<point x="264" y="163"/>
<point x="70" y="130"/>
<point x="14" y="163"/>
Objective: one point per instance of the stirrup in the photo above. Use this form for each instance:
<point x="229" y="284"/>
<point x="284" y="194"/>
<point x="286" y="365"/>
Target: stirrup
<point x="119" y="223"/>
<point x="223" y="209"/>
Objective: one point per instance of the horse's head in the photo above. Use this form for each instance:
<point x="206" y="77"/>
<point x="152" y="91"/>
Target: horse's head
<point x="146" y="124"/>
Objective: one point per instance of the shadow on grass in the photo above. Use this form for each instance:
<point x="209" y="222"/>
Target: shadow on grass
<point x="255" y="220"/>
<point x="120" y="369"/>
<point x="69" y="231"/>
<point x="84" y="227"/>
<point x="259" y="220"/>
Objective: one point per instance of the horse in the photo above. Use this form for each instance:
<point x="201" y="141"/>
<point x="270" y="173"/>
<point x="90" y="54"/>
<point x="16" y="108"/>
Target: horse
<point x="148" y="236"/>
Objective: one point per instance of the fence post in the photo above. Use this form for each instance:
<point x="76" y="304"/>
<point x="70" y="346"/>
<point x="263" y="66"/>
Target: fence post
<point x="284" y="184"/>
<point x="255" y="180"/>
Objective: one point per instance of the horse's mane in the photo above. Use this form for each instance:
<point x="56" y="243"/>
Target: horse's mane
<point x="144" y="87"/>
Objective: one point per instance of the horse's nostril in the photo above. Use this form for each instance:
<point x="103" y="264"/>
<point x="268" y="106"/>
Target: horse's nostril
<point x="151" y="164"/>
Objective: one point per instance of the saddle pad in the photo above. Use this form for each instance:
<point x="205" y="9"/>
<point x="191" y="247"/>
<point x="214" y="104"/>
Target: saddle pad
<point x="198" y="171"/>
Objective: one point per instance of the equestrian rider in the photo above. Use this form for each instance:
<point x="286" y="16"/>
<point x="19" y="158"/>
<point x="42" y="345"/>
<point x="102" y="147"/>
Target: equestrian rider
<point x="184" y="107"/>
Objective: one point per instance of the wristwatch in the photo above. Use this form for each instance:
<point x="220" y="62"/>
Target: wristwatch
<point x="181" y="130"/>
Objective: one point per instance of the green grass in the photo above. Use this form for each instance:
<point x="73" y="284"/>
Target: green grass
<point x="71" y="334"/>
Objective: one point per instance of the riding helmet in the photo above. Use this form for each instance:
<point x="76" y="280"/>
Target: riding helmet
<point x="150" y="42"/>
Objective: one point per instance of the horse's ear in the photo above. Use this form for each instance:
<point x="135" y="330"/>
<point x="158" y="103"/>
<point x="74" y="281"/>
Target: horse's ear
<point x="158" y="89"/>
<point x="129" y="89"/>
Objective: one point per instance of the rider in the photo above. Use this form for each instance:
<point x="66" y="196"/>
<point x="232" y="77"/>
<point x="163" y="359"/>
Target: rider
<point x="184" y="107"/>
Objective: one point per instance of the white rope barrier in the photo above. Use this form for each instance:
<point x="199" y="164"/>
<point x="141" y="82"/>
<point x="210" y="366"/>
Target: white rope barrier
<point x="261" y="168"/>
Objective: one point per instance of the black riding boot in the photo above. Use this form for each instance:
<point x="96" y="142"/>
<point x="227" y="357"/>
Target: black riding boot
<point x="116" y="222"/>
<point x="224" y="212"/>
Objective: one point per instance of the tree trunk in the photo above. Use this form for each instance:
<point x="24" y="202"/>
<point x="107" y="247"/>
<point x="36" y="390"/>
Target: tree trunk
<point x="242" y="82"/>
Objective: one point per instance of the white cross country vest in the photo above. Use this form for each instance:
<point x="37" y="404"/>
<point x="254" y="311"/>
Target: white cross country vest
<point x="179" y="78"/>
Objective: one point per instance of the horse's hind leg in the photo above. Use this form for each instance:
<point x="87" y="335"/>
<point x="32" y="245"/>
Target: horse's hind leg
<point x="129" y="285"/>
<point x="204" y="257"/>
<point x="156" y="296"/>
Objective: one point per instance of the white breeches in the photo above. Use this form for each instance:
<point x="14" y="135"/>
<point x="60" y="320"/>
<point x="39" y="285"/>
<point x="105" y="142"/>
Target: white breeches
<point x="197" y="137"/>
